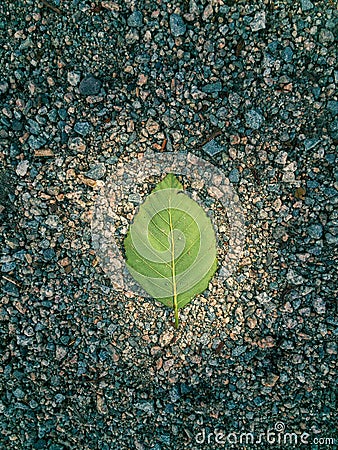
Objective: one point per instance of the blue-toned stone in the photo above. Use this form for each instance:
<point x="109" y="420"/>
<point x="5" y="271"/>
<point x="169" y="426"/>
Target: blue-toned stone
<point x="14" y="150"/>
<point x="165" y="438"/>
<point x="40" y="444"/>
<point x="311" y="184"/>
<point x="82" y="128"/>
<point x="52" y="115"/>
<point x="65" y="339"/>
<point x="62" y="113"/>
<point x="33" y="173"/>
<point x="333" y="129"/>
<point x="16" y="125"/>
<point x="36" y="142"/>
<point x="258" y="401"/>
<point x="61" y="124"/>
<point x="10" y="289"/>
<point x="185" y="388"/>
<point x="135" y="19"/>
<point x="315" y="231"/>
<point x="273" y="46"/>
<point x="8" y="266"/>
<point x="212" y="87"/>
<point x="169" y="409"/>
<point x="254" y="119"/>
<point x="316" y="91"/>
<point x="331" y="239"/>
<point x="90" y="86"/>
<point x="135" y="198"/>
<point x="177" y="25"/>
<point x="56" y="447"/>
<point x="18" y="393"/>
<point x="330" y="158"/>
<point x="103" y="355"/>
<point x="234" y="176"/>
<point x="311" y="143"/>
<point x="212" y="148"/>
<point x="329" y="191"/>
<point x="81" y="368"/>
<point x="49" y="254"/>
<point x="59" y="398"/>
<point x="20" y="255"/>
<point x="237" y="351"/>
<point x="306" y="5"/>
<point x="145" y="406"/>
<point x="287" y="54"/>
<point x="326" y="36"/>
<point x="332" y="106"/>
<point x="175" y="394"/>
<point x="34" y="127"/>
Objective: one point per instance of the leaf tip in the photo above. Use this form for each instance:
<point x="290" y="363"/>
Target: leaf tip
<point x="170" y="181"/>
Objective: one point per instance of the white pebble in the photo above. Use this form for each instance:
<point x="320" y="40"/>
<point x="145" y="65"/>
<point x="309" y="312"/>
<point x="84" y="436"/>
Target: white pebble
<point x="22" y="168"/>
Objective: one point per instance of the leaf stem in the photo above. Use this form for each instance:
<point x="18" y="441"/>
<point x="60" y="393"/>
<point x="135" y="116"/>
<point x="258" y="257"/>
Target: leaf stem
<point x="173" y="268"/>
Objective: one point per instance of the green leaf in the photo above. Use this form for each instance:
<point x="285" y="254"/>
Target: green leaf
<point x="171" y="247"/>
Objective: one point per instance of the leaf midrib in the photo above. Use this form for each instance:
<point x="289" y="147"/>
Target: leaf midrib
<point x="173" y="269"/>
<point x="170" y="224"/>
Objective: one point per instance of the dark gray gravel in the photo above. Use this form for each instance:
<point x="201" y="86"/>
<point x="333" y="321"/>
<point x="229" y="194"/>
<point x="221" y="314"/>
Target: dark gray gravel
<point x="250" y="86"/>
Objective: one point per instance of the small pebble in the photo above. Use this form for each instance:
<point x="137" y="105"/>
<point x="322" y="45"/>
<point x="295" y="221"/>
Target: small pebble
<point x="306" y="5"/>
<point x="22" y="168"/>
<point x="319" y="306"/>
<point x="3" y="87"/>
<point x="315" y="231"/>
<point x="234" y="176"/>
<point x="97" y="172"/>
<point x="254" y="119"/>
<point x="82" y="128"/>
<point x="177" y="25"/>
<point x="212" y="87"/>
<point x="36" y="142"/>
<point x="326" y="37"/>
<point x="90" y="86"/>
<point x="152" y="127"/>
<point x="332" y="106"/>
<point x="309" y="144"/>
<point x="212" y="148"/>
<point x="135" y="19"/>
<point x="77" y="144"/>
<point x="258" y="23"/>
<point x="73" y="78"/>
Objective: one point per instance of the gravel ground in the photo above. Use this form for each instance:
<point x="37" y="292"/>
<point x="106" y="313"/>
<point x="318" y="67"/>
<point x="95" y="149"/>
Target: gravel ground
<point x="252" y="88"/>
